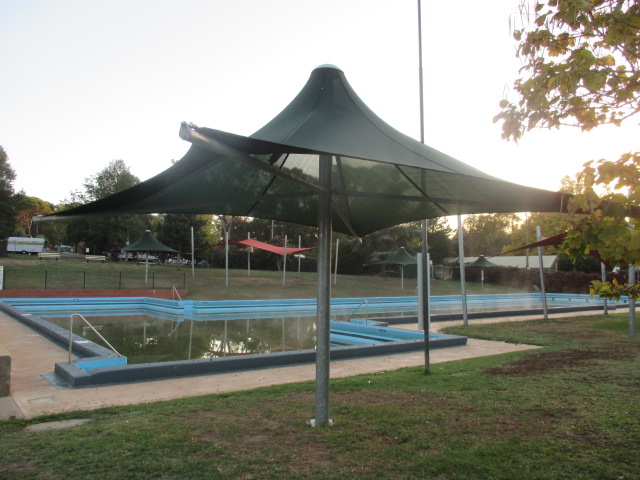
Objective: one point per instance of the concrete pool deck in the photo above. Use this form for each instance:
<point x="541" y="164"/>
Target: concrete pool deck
<point x="33" y="356"/>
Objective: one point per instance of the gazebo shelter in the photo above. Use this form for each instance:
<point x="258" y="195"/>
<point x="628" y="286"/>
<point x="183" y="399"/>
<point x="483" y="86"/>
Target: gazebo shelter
<point x="326" y="160"/>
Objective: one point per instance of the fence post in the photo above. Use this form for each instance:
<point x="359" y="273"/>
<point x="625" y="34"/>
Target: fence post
<point x="184" y="280"/>
<point x="120" y="281"/>
<point x="153" y="280"/>
<point x="45" y="278"/>
<point x="84" y="280"/>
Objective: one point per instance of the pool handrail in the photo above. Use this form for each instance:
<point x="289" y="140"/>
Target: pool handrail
<point x="364" y="302"/>
<point x="175" y="290"/>
<point x="94" y="331"/>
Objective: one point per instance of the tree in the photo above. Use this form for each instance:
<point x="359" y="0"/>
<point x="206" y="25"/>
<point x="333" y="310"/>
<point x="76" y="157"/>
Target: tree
<point x="104" y="233"/>
<point x="26" y="208"/>
<point x="441" y="244"/>
<point x="580" y="65"/>
<point x="174" y="230"/>
<point x="487" y="234"/>
<point x="7" y="210"/>
<point x="550" y="223"/>
<point x="112" y="179"/>
<point x="611" y="225"/>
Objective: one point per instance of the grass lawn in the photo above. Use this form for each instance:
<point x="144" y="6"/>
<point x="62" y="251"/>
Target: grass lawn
<point x="569" y="410"/>
<point x="209" y="283"/>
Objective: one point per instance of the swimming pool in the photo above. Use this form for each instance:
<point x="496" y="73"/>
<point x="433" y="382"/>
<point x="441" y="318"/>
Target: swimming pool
<point x="98" y="365"/>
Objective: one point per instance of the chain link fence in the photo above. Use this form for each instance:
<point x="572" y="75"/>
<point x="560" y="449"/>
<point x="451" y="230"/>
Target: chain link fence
<point x="88" y="280"/>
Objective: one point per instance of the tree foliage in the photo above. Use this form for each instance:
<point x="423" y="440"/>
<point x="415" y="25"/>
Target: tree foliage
<point x="487" y="234"/>
<point x="104" y="233"/>
<point x="550" y="223"/>
<point x="580" y="65"/>
<point x="439" y="238"/>
<point x="114" y="178"/>
<point x="604" y="224"/>
<point x="7" y="211"/>
<point x="581" y="62"/>
<point x="174" y="230"/>
<point x="26" y="208"/>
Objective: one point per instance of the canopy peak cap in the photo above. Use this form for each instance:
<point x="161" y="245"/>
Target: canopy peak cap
<point x="328" y="66"/>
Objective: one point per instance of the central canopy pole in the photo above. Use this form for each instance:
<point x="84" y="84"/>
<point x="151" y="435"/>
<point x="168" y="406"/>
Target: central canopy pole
<point x="324" y="293"/>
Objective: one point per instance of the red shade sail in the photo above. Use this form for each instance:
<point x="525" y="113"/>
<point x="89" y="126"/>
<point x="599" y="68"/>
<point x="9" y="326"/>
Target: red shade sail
<point x="264" y="246"/>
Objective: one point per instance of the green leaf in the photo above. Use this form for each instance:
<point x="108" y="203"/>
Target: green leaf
<point x="594" y="81"/>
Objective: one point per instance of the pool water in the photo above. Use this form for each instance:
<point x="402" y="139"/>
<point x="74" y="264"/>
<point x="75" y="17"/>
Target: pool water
<point x="144" y="338"/>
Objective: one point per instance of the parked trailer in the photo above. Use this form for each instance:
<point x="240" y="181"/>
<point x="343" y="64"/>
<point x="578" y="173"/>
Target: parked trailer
<point x="25" y="245"/>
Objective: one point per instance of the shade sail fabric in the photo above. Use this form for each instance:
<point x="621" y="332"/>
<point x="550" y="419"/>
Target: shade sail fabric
<point x="545" y="242"/>
<point x="555" y="240"/>
<point x="380" y="177"/>
<point x="148" y="243"/>
<point x="401" y="257"/>
<point x="265" y="246"/>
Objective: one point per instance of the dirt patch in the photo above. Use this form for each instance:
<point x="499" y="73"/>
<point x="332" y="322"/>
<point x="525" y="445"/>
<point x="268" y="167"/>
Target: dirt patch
<point x="551" y="361"/>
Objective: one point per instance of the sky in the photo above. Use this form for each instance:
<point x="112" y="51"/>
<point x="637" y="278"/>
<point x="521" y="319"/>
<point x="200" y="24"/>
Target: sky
<point x="86" y="82"/>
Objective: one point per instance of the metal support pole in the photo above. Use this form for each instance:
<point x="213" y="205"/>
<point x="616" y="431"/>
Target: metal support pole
<point x="299" y="254"/>
<point x="603" y="271"/>
<point x="324" y="294"/>
<point x="427" y="321"/>
<point x="542" y="288"/>
<point x="463" y="280"/>
<point x="632" y="303"/>
<point x="146" y="267"/>
<point x="193" y="256"/>
<point x="423" y="318"/>
<point x="226" y="259"/>
<point x="335" y="268"/>
<point x="421" y="290"/>
<point x="248" y="257"/>
<point x="284" y="262"/>
<point x="190" y="338"/>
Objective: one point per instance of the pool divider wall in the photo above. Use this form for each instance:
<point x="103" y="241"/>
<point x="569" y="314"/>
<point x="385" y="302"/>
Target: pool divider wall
<point x="444" y="317"/>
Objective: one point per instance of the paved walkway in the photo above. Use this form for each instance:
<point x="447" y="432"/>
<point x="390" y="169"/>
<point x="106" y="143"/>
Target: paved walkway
<point x="34" y="356"/>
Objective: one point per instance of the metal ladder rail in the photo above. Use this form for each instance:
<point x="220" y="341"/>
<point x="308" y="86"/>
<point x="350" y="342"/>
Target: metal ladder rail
<point x="94" y="331"/>
<point x="175" y="291"/>
<point x="366" y="311"/>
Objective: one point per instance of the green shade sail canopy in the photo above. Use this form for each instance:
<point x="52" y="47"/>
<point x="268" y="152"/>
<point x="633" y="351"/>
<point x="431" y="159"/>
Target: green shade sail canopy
<point x="481" y="261"/>
<point x="381" y="177"/>
<point x="401" y="257"/>
<point x="148" y="243"/>
<point x="328" y="161"/>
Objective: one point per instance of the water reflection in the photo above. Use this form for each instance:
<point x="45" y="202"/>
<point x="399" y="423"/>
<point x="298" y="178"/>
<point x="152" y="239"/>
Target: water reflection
<point x="144" y="339"/>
